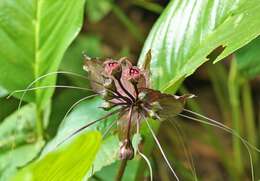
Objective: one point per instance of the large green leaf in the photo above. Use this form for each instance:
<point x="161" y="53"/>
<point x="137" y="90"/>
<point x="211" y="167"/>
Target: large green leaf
<point x="68" y="97"/>
<point x="67" y="162"/>
<point x="248" y="59"/>
<point x="109" y="173"/>
<point x="82" y="114"/>
<point x="189" y="30"/>
<point x="18" y="128"/>
<point x="18" y="141"/>
<point x="11" y="161"/>
<point x="34" y="35"/>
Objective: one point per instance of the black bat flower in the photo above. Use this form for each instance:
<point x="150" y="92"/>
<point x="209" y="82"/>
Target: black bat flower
<point x="128" y="87"/>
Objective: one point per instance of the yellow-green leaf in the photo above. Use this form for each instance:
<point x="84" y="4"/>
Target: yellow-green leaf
<point x="69" y="162"/>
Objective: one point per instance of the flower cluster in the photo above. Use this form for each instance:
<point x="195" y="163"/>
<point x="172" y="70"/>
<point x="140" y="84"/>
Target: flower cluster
<point x="124" y="85"/>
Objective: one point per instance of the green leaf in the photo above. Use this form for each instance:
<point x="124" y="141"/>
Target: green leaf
<point x="11" y="161"/>
<point x="18" y="128"/>
<point x="109" y="173"/>
<point x="3" y="92"/>
<point x="33" y="38"/>
<point x="81" y="115"/>
<point x="188" y="31"/>
<point x="248" y="59"/>
<point x="84" y="113"/>
<point x="18" y="141"/>
<point x="68" y="162"/>
<point x="11" y="105"/>
<point x="96" y="10"/>
<point x="68" y="97"/>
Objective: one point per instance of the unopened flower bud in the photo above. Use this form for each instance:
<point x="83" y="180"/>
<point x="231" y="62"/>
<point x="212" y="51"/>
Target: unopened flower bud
<point x="126" y="150"/>
<point x="134" y="74"/>
<point x="113" y="68"/>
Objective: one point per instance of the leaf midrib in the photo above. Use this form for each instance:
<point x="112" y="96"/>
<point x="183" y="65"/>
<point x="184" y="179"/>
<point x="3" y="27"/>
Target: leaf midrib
<point x="37" y="43"/>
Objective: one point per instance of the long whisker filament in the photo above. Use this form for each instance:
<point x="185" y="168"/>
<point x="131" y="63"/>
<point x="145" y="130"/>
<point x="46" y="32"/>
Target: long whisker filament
<point x="76" y="103"/>
<point x="89" y="124"/>
<point x="185" y="147"/>
<point x="229" y="130"/>
<point x="49" y="86"/>
<point x="224" y="127"/>
<point x="161" y="150"/>
<point x="142" y="155"/>
<point x="108" y="129"/>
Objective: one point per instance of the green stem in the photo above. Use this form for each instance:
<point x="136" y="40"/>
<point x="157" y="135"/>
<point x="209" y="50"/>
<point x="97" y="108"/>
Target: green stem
<point x="249" y="114"/>
<point x="233" y="87"/>
<point x="218" y="76"/>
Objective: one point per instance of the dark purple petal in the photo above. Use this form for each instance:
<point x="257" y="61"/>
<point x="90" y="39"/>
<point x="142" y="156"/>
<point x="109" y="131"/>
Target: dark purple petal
<point x="165" y="106"/>
<point x="95" y="68"/>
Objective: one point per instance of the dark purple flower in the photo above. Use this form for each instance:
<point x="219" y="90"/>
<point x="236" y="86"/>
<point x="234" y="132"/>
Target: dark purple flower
<point x="126" y="86"/>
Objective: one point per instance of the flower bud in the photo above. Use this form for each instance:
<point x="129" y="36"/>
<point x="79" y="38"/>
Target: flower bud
<point x="134" y="74"/>
<point x="113" y="68"/>
<point x="126" y="150"/>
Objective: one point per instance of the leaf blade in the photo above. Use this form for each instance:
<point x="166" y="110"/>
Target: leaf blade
<point x="60" y="164"/>
<point x="33" y="41"/>
<point x="188" y="31"/>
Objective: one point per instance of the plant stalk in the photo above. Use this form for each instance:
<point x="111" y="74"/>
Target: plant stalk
<point x="249" y="114"/>
<point x="233" y="87"/>
<point x="121" y="170"/>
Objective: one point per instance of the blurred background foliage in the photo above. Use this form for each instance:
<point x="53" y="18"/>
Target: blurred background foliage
<point x="39" y="37"/>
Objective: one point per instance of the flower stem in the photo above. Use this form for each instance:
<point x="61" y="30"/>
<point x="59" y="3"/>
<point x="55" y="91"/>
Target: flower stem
<point x="121" y="170"/>
<point x="249" y="113"/>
